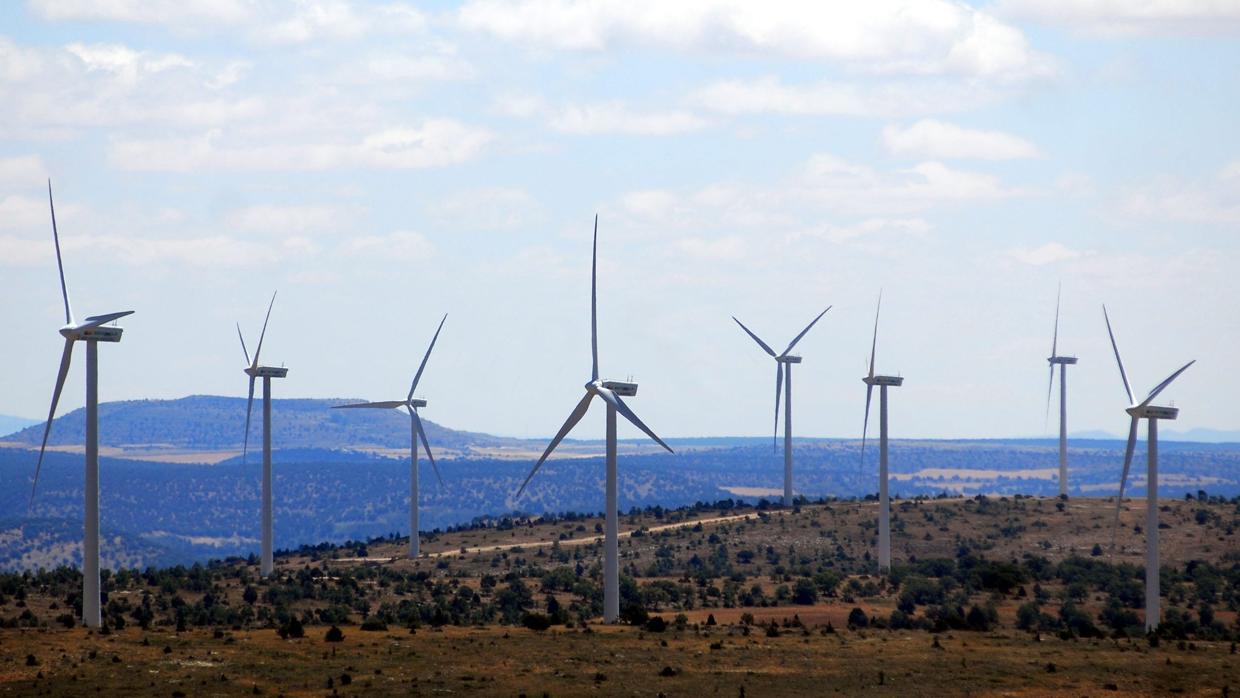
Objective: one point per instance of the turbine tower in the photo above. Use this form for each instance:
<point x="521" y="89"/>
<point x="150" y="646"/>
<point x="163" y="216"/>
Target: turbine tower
<point x="1152" y="413"/>
<point x="783" y="380"/>
<point x="92" y="331"/>
<point x="1063" y="362"/>
<point x="610" y="391"/>
<point x="253" y="370"/>
<point x="884" y="504"/>
<point x="411" y="404"/>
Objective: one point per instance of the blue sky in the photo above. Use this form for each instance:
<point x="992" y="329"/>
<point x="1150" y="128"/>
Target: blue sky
<point x="382" y="164"/>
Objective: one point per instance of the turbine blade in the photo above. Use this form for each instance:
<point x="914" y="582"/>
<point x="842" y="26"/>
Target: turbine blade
<point x="865" y="423"/>
<point x="874" y="342"/>
<point x="1123" y="479"/>
<point x="615" y="401"/>
<point x="65" y="359"/>
<point x="243" y="349"/>
<point x="417" y="423"/>
<point x="761" y="343"/>
<point x="1163" y="385"/>
<point x="779" y="386"/>
<point x="1115" y="347"/>
<point x="1055" y="338"/>
<point x="578" y="412"/>
<point x="249" y="409"/>
<point x="259" y="348"/>
<point x="97" y="320"/>
<point x="417" y="376"/>
<point x="793" y="343"/>
<point x="387" y="405"/>
<point x="64" y="288"/>
<point x="594" y="303"/>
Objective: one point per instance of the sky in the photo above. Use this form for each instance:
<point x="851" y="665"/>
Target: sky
<point x="381" y="164"/>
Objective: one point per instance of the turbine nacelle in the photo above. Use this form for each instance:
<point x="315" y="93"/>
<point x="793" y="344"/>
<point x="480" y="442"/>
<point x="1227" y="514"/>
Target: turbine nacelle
<point x="266" y="371"/>
<point x="1063" y="360"/>
<point x="91" y="333"/>
<point x="883" y="380"/>
<point x="788" y="359"/>
<point x="621" y="388"/>
<point x="417" y="402"/>
<point x="1153" y="412"/>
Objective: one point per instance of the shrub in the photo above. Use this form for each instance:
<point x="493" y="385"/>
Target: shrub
<point x="857" y="618"/>
<point x="291" y="629"/>
<point x="374" y="624"/>
<point x="536" y="621"/>
<point x="656" y="624"/>
<point x="334" y="634"/>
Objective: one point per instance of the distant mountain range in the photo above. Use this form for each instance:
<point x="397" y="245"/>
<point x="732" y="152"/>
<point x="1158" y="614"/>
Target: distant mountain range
<point x="211" y="422"/>
<point x="1198" y="435"/>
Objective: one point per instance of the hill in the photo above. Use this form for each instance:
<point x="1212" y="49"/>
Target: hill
<point x="215" y="423"/>
<point x="988" y="596"/>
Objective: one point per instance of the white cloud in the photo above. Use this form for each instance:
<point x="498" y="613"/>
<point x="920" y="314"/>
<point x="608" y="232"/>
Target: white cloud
<point x="727" y="248"/>
<point x="938" y="140"/>
<point x="431" y="143"/>
<point x="883" y="98"/>
<point x="600" y="118"/>
<point x="613" y="117"/>
<point x="1049" y="253"/>
<point x="405" y="246"/>
<point x="868" y="231"/>
<point x="489" y="208"/>
<point x="1130" y="17"/>
<point x="266" y="22"/>
<point x="24" y="212"/>
<point x="1214" y="200"/>
<point x="210" y="252"/>
<point x="290" y="219"/>
<point x="78" y="86"/>
<point x="23" y="170"/>
<point x="893" y="36"/>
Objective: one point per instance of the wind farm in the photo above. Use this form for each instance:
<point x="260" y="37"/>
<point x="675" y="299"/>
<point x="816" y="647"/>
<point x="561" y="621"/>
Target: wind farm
<point x="917" y="174"/>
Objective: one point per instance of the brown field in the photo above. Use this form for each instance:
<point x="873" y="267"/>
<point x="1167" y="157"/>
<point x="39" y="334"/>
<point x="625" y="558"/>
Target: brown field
<point x="707" y="661"/>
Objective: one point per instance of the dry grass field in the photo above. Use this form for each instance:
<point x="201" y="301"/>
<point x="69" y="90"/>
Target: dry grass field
<point x="496" y="661"/>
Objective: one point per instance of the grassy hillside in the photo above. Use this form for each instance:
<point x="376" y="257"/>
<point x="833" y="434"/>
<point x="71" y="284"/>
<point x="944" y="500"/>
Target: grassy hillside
<point x="988" y="596"/>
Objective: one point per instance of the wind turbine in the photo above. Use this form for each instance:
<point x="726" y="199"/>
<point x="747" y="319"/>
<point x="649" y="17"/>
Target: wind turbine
<point x="92" y="331"/>
<point x="253" y="370"/>
<point x="411" y="404"/>
<point x="783" y="379"/>
<point x="1063" y="362"/>
<point x="884" y="504"/>
<point x="610" y="391"/>
<point x="1138" y="411"/>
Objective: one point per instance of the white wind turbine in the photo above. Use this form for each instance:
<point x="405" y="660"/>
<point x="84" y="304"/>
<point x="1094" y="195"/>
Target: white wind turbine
<point x="1152" y="413"/>
<point x="610" y="391"/>
<point x="253" y="370"/>
<point x="884" y="504"/>
<point x="411" y="404"/>
<point x="783" y="379"/>
<point x="1063" y="362"/>
<point x="92" y="331"/>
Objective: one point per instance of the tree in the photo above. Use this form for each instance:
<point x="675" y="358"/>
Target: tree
<point x="857" y="618"/>
<point x="334" y="634"/>
<point x="250" y="595"/>
<point x="805" y="592"/>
